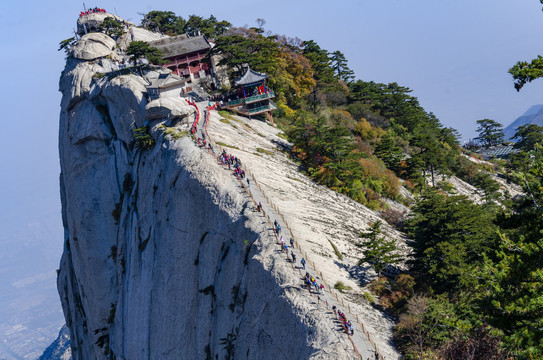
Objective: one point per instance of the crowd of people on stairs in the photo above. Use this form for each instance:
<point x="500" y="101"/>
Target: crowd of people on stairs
<point x="309" y="282"/>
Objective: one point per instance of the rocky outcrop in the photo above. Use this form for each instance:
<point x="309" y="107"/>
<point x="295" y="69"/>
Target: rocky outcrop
<point x="93" y="46"/>
<point x="91" y="22"/>
<point x="140" y="34"/>
<point x="169" y="107"/>
<point x="164" y="257"/>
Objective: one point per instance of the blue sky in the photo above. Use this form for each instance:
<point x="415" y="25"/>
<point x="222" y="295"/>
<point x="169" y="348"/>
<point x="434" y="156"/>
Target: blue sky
<point x="453" y="54"/>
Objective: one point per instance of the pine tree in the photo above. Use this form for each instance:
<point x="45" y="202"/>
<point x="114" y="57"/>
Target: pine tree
<point x="490" y="132"/>
<point x="139" y="49"/>
<point x="339" y="64"/>
<point x="112" y="27"/>
<point x="379" y="252"/>
<point x="513" y="275"/>
<point x="528" y="136"/>
<point x="450" y="235"/>
<point x="389" y="152"/>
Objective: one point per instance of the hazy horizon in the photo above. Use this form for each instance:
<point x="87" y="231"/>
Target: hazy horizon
<point x="454" y="55"/>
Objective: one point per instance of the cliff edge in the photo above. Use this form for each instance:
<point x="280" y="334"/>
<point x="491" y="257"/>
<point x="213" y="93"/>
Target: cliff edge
<point x="164" y="256"/>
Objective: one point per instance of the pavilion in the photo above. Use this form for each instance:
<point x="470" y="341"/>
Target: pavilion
<point x="253" y="97"/>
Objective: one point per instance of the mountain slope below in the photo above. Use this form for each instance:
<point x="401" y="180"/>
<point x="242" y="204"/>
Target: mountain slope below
<point x="316" y="215"/>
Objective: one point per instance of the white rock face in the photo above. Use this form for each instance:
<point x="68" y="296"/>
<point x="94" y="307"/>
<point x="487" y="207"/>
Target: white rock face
<point x="316" y="215"/>
<point x="168" y="108"/>
<point x="164" y="256"/>
<point x="93" y="46"/>
<point x="141" y="34"/>
<point x="92" y="21"/>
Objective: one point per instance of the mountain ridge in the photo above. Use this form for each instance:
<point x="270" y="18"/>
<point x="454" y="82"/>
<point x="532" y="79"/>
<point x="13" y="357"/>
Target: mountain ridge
<point x="534" y="115"/>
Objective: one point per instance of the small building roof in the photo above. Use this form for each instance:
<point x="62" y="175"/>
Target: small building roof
<point x="499" y="151"/>
<point x="165" y="81"/>
<point x="180" y="45"/>
<point x="250" y="77"/>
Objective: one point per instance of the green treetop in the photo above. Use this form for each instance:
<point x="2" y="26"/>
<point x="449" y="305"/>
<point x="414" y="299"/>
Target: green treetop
<point x="490" y="132"/>
<point x="112" y="27"/>
<point x="528" y="136"/>
<point x="513" y="275"/>
<point x="139" y="49"/>
<point x="450" y="234"/>
<point x="339" y="64"/>
<point x="378" y="251"/>
<point x="169" y="23"/>
<point x="163" y="21"/>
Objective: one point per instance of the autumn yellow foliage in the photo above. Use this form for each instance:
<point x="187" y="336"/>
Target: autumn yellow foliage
<point x="367" y="132"/>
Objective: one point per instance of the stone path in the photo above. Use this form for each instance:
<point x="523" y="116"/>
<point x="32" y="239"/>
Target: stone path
<point x="359" y="344"/>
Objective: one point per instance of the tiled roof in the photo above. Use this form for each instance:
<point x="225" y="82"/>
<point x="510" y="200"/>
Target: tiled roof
<point x="180" y="45"/>
<point x="497" y="151"/>
<point x="250" y="77"/>
<point x="166" y="80"/>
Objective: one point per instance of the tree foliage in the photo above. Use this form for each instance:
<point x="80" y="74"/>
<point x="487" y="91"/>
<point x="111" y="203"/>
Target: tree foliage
<point x="378" y="251"/>
<point x="528" y="136"/>
<point x="112" y="27"/>
<point x="524" y="72"/>
<point x="66" y="44"/>
<point x="330" y="156"/>
<point x="424" y="324"/>
<point x="140" y="49"/>
<point x="490" y="132"/>
<point x="339" y="64"/>
<point x="237" y="51"/>
<point x="143" y="139"/>
<point x="321" y="63"/>
<point x="163" y="21"/>
<point x="481" y="344"/>
<point x="513" y="274"/>
<point x="169" y="23"/>
<point x="450" y="235"/>
<point x="290" y="73"/>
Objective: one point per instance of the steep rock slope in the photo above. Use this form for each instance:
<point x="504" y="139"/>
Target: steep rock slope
<point x="317" y="216"/>
<point x="164" y="258"/>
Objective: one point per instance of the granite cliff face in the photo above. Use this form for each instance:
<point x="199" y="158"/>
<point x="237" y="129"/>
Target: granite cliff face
<point x="164" y="257"/>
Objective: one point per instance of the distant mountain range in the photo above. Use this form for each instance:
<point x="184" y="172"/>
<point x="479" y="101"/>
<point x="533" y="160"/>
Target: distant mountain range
<point x="534" y="115"/>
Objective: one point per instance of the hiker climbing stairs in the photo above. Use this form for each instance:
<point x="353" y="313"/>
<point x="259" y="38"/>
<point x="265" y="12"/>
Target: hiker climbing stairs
<point x="360" y="343"/>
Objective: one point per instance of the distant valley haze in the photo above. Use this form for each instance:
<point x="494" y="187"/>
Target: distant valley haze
<point x="454" y="55"/>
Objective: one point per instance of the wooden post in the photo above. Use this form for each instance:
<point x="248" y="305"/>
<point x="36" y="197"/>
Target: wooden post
<point x="270" y="117"/>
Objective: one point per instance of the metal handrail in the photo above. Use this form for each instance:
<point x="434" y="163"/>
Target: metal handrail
<point x="260" y="108"/>
<point x="234" y="102"/>
<point x="259" y="97"/>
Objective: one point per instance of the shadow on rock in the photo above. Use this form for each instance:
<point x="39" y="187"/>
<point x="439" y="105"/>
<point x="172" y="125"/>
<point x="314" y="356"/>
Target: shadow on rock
<point x="359" y="273"/>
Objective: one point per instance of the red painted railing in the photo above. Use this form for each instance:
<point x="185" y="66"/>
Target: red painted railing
<point x="197" y="115"/>
<point x="209" y="108"/>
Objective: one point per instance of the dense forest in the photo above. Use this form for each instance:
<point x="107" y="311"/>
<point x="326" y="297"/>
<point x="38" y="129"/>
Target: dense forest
<point x="474" y="289"/>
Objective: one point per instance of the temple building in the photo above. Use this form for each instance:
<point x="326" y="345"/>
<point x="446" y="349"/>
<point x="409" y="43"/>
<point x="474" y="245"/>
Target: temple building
<point x="252" y="96"/>
<point x="166" y="85"/>
<point x="187" y="57"/>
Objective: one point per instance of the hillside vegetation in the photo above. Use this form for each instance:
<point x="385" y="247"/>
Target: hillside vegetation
<point x="474" y="288"/>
